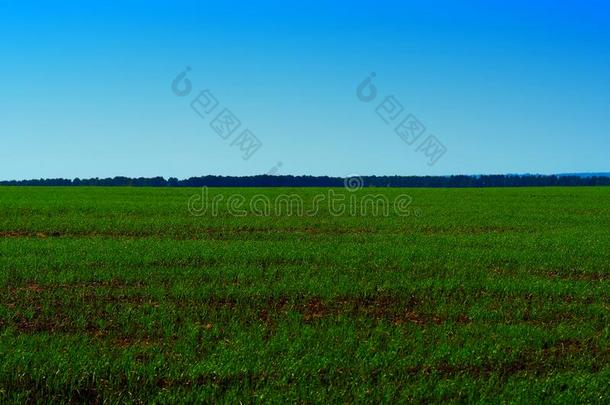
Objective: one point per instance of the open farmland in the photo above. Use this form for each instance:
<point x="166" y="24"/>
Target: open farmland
<point x="128" y="294"/>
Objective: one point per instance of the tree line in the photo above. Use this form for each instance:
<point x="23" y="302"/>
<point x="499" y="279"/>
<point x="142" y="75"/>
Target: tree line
<point x="325" y="181"/>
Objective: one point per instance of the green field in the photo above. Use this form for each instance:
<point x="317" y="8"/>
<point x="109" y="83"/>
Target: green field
<point x="122" y="295"/>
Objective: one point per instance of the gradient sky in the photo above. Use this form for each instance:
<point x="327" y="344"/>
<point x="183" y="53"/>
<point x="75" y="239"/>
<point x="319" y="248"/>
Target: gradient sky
<point x="507" y="87"/>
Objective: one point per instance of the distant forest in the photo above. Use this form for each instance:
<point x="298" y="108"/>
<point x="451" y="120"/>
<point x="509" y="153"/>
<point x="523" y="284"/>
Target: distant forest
<point x="324" y="181"/>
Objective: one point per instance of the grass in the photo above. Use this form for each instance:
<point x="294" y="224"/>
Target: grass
<point x="121" y="295"/>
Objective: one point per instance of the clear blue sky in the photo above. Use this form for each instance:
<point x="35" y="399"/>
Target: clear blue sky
<point x="507" y="87"/>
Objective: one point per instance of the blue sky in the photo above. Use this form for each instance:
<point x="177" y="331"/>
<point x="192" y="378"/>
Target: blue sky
<point x="505" y="87"/>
